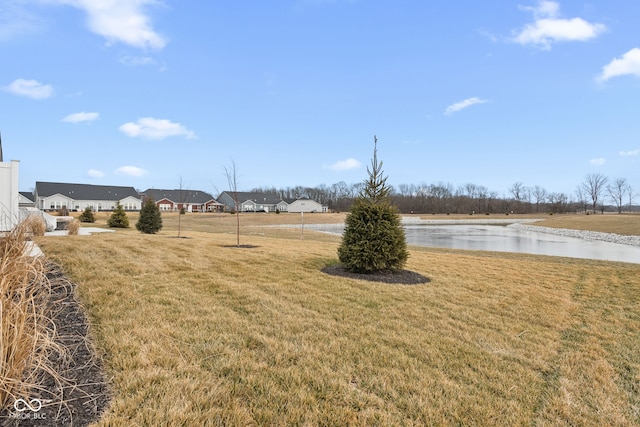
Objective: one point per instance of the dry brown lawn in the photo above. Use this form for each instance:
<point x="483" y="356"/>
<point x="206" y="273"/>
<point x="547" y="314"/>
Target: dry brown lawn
<point x="625" y="224"/>
<point x="195" y="331"/>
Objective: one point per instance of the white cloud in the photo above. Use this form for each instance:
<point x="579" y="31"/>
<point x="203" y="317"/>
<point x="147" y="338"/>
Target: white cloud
<point x="92" y="173"/>
<point x="136" y="61"/>
<point x="630" y="153"/>
<point x="344" y="165"/>
<point x="548" y="28"/>
<point x="130" y="171"/>
<point x="454" y="108"/>
<point x="30" y="88"/>
<point x="628" y="64"/>
<point x="150" y="128"/>
<point x="598" y="162"/>
<point x="121" y="21"/>
<point x="545" y="8"/>
<point x="80" y="117"/>
<point x="16" y="20"/>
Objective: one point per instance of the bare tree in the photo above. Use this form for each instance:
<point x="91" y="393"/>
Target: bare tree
<point x="558" y="202"/>
<point x="517" y="190"/>
<point x="593" y="185"/>
<point x="617" y="190"/>
<point x="539" y="194"/>
<point x="631" y="196"/>
<point x="232" y="180"/>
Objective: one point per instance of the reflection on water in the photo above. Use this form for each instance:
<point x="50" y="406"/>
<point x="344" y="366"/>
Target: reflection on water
<point x="505" y="239"/>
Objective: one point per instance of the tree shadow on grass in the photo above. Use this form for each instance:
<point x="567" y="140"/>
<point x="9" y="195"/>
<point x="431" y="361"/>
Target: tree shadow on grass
<point x="396" y="277"/>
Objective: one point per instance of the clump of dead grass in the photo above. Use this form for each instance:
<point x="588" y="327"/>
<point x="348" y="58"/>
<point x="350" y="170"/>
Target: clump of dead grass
<point x="27" y="336"/>
<point x="33" y="225"/>
<point x="73" y="227"/>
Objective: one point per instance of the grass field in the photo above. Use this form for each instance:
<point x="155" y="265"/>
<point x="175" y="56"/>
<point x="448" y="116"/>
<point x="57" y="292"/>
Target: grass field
<point x="195" y="331"/>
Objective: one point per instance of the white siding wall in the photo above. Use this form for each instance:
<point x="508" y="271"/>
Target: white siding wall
<point x="9" y="195"/>
<point x="55" y="202"/>
<point x="131" y="204"/>
<point x="304" y="205"/>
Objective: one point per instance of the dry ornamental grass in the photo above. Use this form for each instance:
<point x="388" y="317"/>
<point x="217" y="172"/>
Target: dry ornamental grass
<point x="27" y="337"/>
<point x="48" y="371"/>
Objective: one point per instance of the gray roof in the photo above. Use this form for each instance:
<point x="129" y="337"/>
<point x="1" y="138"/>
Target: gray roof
<point x="85" y="191"/>
<point x="179" y="196"/>
<point x="264" y="198"/>
<point x="27" y="195"/>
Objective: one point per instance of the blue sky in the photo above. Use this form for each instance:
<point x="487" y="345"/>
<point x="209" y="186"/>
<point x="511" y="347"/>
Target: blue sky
<point x="164" y="93"/>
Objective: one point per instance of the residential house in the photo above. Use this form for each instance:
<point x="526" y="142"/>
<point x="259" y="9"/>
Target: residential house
<point x="305" y="205"/>
<point x="189" y="200"/>
<point x="26" y="200"/>
<point x="77" y="197"/>
<point x="261" y="202"/>
<point x="252" y="202"/>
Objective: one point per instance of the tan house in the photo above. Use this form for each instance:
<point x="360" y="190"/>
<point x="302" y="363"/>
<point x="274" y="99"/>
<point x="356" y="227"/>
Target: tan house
<point x="189" y="200"/>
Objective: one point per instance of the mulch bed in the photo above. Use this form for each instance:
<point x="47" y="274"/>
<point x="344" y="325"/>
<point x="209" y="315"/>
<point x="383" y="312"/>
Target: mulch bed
<point x="83" y="395"/>
<point x="399" y="277"/>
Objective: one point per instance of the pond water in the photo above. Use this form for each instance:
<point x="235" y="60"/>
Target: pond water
<point x="500" y="238"/>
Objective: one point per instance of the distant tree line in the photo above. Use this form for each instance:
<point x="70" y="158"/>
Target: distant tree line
<point x="596" y="193"/>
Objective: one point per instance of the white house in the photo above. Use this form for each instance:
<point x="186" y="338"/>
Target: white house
<point x="56" y="195"/>
<point x="251" y="202"/>
<point x="9" y="194"/>
<point x="306" y="205"/>
<point x="261" y="202"/>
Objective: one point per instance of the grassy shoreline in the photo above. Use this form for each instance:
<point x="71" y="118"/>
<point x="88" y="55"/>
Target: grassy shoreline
<point x="196" y="332"/>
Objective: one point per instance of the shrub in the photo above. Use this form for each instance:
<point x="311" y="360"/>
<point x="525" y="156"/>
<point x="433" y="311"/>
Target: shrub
<point x="87" y="215"/>
<point x="150" y="220"/>
<point x="73" y="227"/>
<point x="118" y="218"/>
<point x="34" y="225"/>
<point x="373" y="238"/>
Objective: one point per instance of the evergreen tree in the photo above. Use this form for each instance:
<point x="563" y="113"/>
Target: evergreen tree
<point x="373" y="238"/>
<point x="150" y="221"/>
<point x="118" y="218"/>
<point x="87" y="215"/>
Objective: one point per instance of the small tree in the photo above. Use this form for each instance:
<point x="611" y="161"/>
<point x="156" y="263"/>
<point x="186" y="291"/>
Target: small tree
<point x="232" y="180"/>
<point x="118" y="218"/>
<point x="150" y="221"/>
<point x="87" y="215"/>
<point x="373" y="238"/>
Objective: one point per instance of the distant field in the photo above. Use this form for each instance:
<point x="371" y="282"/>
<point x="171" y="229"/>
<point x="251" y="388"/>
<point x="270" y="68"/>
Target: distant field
<point x="195" y="331"/>
<point x="625" y="224"/>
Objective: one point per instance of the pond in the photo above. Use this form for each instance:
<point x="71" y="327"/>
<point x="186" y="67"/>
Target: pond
<point x="501" y="238"/>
